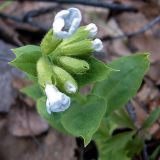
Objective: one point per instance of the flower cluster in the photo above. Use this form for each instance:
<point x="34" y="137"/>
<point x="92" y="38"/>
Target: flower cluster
<point x="65" y="50"/>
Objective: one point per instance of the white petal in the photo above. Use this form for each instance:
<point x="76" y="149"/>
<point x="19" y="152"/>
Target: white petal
<point x="71" y="88"/>
<point x="74" y="25"/>
<point x="58" y="25"/>
<point x="62" y="14"/>
<point x="97" y="45"/>
<point x="56" y="100"/>
<point x="92" y="29"/>
<point x="66" y="22"/>
<point x="50" y="90"/>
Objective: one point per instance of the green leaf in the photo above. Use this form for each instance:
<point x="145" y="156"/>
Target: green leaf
<point x="98" y="71"/>
<point x="122" y="118"/>
<point x="27" y="58"/>
<point x="83" y="119"/>
<point x="135" y="146"/>
<point x="34" y="91"/>
<point x="151" y="119"/>
<point x="53" y="119"/>
<point x="114" y="147"/>
<point x="121" y="86"/>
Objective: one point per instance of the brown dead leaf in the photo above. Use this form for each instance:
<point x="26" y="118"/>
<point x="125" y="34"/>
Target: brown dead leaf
<point x="19" y="83"/>
<point x="25" y="122"/>
<point x="131" y="22"/>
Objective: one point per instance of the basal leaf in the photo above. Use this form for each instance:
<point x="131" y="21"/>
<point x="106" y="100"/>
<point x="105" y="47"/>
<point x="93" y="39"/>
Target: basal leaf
<point x="135" y="146"/>
<point x="122" y="118"/>
<point x="83" y="119"/>
<point x="34" y="91"/>
<point x="98" y="71"/>
<point x="114" y="147"/>
<point x="121" y="86"/>
<point x="27" y="58"/>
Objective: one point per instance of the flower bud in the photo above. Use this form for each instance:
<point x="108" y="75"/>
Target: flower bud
<point x="49" y="42"/>
<point x="81" y="48"/>
<point x="92" y="28"/>
<point x="66" y="22"/>
<point x="73" y="65"/>
<point x="56" y="100"/>
<point x="44" y="71"/>
<point x="97" y="45"/>
<point x="64" y="80"/>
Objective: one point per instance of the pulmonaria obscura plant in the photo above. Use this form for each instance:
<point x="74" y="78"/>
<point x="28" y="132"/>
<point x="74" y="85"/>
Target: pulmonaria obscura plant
<point x="62" y="64"/>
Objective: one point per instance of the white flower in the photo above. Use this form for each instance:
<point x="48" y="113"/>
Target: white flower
<point x="66" y="22"/>
<point x="97" y="45"/>
<point x="92" y="29"/>
<point x="71" y="88"/>
<point x="56" y="100"/>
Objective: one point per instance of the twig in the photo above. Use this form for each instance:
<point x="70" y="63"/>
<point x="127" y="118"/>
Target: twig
<point x="133" y="34"/>
<point x="22" y="20"/>
<point x="111" y="6"/>
<point x="34" y="13"/>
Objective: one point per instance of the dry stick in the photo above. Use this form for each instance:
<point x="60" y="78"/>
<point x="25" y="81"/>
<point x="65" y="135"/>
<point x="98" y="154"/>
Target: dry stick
<point x="111" y="6"/>
<point x="133" y="34"/>
<point x="27" y="17"/>
<point x="34" y="13"/>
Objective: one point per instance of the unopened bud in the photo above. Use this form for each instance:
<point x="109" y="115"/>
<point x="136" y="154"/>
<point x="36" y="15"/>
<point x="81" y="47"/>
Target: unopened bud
<point x="73" y="65"/>
<point x="92" y="28"/>
<point x="81" y="48"/>
<point x="97" y="45"/>
<point x="63" y="78"/>
<point x="44" y="71"/>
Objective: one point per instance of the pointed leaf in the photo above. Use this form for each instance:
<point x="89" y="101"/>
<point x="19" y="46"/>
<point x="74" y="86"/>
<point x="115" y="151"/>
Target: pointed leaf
<point x="27" y="58"/>
<point x="26" y="49"/>
<point x="84" y="119"/>
<point x="122" y="86"/>
<point x="114" y="147"/>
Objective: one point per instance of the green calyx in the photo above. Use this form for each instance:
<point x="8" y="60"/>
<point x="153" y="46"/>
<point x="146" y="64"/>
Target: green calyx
<point x="73" y="65"/>
<point x="77" y="49"/>
<point x="64" y="80"/>
<point x="49" y="43"/>
<point x="81" y="34"/>
<point x="45" y="72"/>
